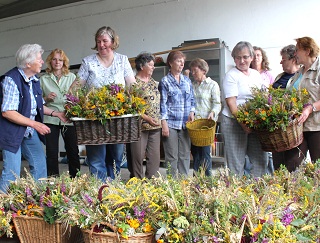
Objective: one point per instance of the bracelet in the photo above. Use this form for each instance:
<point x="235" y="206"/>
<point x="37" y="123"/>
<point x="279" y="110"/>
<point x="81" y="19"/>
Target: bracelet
<point x="51" y="113"/>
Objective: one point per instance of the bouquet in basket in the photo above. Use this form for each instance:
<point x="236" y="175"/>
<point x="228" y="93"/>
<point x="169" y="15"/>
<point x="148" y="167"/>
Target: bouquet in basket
<point x="271" y="109"/>
<point x="105" y="102"/>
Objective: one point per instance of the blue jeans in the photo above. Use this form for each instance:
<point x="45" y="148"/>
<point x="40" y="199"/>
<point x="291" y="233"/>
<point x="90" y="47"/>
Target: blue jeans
<point x="202" y="157"/>
<point x="101" y="159"/>
<point x="32" y="150"/>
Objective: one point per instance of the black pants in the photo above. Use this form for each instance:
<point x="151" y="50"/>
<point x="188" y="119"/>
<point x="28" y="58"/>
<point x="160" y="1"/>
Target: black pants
<point x="292" y="158"/>
<point x="52" y="149"/>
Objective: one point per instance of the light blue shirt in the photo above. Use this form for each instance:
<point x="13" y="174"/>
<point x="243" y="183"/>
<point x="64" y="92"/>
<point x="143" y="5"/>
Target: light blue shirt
<point x="177" y="100"/>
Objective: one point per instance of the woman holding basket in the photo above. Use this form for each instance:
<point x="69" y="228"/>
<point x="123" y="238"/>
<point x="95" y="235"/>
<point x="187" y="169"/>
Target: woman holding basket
<point x="208" y="105"/>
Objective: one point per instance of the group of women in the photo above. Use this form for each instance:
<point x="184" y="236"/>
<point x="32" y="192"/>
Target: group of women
<point x="176" y="100"/>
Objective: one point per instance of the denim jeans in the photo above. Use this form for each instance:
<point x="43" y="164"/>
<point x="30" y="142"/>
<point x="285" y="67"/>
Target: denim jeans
<point x="202" y="157"/>
<point x="32" y="150"/>
<point x="101" y="159"/>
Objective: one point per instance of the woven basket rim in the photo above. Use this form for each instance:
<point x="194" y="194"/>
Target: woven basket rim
<point x="188" y="124"/>
<point x="114" y="117"/>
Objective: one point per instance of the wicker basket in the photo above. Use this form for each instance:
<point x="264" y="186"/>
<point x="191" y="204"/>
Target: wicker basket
<point x="121" y="129"/>
<point x="35" y="229"/>
<point x="111" y="237"/>
<point x="201" y="132"/>
<point x="280" y="140"/>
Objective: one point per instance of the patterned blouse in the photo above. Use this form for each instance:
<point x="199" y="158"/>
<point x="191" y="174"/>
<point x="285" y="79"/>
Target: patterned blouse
<point x="152" y="97"/>
<point x="96" y="75"/>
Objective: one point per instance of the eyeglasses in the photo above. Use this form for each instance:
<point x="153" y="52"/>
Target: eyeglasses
<point x="243" y="57"/>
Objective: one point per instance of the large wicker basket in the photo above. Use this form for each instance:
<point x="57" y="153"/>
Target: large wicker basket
<point x="121" y="129"/>
<point x="35" y="229"/>
<point x="112" y="237"/>
<point x="201" y="132"/>
<point x="280" y="140"/>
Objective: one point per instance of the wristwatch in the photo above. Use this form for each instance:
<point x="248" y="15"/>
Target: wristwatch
<point x="313" y="108"/>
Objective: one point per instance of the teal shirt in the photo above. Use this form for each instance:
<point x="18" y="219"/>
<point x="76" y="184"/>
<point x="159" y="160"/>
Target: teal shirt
<point x="49" y="84"/>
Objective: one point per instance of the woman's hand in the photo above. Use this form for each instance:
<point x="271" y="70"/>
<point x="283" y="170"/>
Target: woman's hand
<point x="50" y="97"/>
<point x="153" y="122"/>
<point x="305" y="114"/>
<point x="211" y="115"/>
<point x="245" y="128"/>
<point x="191" y="116"/>
<point x="165" y="128"/>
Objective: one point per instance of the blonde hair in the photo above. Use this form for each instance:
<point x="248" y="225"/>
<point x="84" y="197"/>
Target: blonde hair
<point x="65" y="67"/>
<point x="111" y="33"/>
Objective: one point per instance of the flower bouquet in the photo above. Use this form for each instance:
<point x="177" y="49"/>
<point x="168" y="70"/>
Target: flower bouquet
<point x="110" y="114"/>
<point x="33" y="207"/>
<point x="272" y="114"/>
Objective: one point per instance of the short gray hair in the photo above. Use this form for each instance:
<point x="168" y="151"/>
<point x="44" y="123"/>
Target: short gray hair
<point x="240" y="46"/>
<point x="27" y="54"/>
<point x="289" y="51"/>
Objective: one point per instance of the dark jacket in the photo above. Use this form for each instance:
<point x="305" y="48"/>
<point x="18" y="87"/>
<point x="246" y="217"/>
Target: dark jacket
<point x="11" y="134"/>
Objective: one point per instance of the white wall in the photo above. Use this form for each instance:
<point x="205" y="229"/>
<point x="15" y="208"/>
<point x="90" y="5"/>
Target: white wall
<point x="157" y="25"/>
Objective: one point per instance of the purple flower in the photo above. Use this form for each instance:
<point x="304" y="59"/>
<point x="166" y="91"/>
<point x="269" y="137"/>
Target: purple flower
<point x="63" y="187"/>
<point x="211" y="220"/>
<point x="82" y="211"/>
<point x="88" y="199"/>
<point x="73" y="99"/>
<point x="28" y="192"/>
<point x="287" y="219"/>
<point x="139" y="214"/>
<point x="265" y="240"/>
<point x="270" y="99"/>
<point x="49" y="204"/>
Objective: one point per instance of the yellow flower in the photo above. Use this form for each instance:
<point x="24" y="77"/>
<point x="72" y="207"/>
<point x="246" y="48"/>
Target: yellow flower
<point x="134" y="223"/>
<point x="147" y="228"/>
<point x="258" y="228"/>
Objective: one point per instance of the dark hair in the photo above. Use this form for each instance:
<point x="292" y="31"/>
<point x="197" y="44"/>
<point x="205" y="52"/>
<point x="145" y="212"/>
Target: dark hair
<point x="240" y="46"/>
<point x="142" y="59"/>
<point x="200" y="63"/>
<point x="65" y="67"/>
<point x="265" y="61"/>
<point x="107" y="31"/>
<point x="289" y="51"/>
<point x="307" y="43"/>
<point x="173" y="55"/>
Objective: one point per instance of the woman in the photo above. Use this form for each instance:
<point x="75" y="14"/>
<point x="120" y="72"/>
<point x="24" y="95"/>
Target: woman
<point x="289" y="66"/>
<point x="207" y="98"/>
<point x="239" y="141"/>
<point x="307" y="77"/>
<point x="261" y="64"/>
<point x="102" y="68"/>
<point x="55" y="84"/>
<point x="22" y="110"/>
<point x="149" y="144"/>
<point x="176" y="107"/>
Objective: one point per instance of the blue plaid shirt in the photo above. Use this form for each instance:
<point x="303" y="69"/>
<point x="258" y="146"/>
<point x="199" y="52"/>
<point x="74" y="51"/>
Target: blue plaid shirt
<point x="177" y="100"/>
<point x="11" y="98"/>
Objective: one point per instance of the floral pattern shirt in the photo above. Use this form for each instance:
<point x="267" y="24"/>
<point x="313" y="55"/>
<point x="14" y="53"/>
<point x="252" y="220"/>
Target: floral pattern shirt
<point x="96" y="75"/>
<point x="151" y="95"/>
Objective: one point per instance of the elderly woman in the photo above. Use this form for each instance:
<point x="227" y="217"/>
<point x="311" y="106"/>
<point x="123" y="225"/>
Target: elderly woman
<point x="260" y="63"/>
<point x="239" y="141"/>
<point x="208" y="105"/>
<point x="99" y="69"/>
<point x="149" y="144"/>
<point x="22" y="110"/>
<point x="177" y="106"/>
<point x="307" y="77"/>
<point x="54" y="84"/>
<point x="289" y="66"/>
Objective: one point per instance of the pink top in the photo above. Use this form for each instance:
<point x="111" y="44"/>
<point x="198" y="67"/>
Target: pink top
<point x="267" y="78"/>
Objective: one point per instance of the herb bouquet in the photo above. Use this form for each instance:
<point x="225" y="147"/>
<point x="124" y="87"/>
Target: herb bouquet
<point x="110" y="114"/>
<point x="272" y="114"/>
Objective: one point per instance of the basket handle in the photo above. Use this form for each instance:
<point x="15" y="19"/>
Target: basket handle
<point x="204" y="127"/>
<point x="112" y="227"/>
